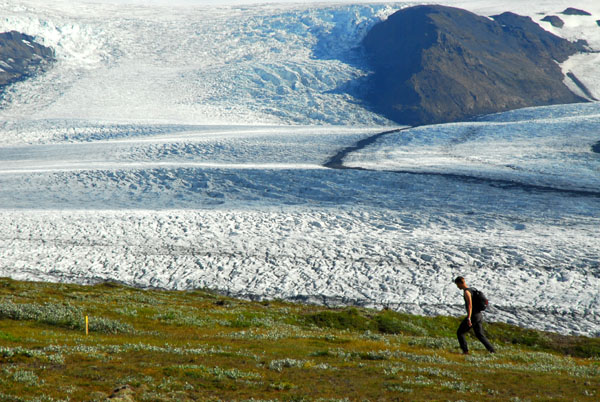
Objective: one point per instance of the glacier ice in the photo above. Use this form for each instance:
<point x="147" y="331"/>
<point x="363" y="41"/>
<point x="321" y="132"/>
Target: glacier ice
<point x="183" y="146"/>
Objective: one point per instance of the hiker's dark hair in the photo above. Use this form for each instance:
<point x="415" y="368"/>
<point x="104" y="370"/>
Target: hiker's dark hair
<point x="459" y="279"/>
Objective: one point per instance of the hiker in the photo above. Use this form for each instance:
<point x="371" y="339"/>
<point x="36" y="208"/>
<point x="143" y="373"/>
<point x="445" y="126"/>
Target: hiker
<point x="473" y="320"/>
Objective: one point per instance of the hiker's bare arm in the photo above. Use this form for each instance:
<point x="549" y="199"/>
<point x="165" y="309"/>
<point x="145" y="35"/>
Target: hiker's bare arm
<point x="469" y="304"/>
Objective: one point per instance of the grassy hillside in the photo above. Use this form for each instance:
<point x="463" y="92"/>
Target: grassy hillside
<point x="178" y="346"/>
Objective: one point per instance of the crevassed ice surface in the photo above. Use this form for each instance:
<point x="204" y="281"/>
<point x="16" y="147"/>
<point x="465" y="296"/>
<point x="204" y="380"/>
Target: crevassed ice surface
<point x="184" y="147"/>
<point x="225" y="64"/>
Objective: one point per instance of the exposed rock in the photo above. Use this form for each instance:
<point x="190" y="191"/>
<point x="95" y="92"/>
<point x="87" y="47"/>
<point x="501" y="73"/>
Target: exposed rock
<point x="122" y="394"/>
<point x="596" y="147"/>
<point x="437" y="64"/>
<point x="21" y="57"/>
<point x="554" y="20"/>
<point x="575" y="11"/>
<point x="598" y="22"/>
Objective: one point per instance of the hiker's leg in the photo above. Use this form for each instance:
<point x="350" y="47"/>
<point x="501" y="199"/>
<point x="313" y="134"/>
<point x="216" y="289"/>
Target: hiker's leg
<point x="460" y="334"/>
<point x="477" y="321"/>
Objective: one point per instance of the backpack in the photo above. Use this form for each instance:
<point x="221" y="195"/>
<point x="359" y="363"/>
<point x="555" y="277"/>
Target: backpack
<point x="478" y="300"/>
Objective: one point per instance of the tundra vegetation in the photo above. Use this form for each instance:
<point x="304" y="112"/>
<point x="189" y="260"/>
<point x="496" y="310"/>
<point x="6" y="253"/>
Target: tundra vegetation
<point x="153" y="345"/>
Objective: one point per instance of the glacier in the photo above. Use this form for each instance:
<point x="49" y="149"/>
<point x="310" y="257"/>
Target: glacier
<point x="183" y="145"/>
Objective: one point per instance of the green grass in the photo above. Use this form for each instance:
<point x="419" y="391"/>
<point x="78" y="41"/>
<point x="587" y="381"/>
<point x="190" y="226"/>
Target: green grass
<point x="198" y="345"/>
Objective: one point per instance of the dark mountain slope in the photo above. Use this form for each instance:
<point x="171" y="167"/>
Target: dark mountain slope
<point x="21" y="57"/>
<point x="437" y="64"/>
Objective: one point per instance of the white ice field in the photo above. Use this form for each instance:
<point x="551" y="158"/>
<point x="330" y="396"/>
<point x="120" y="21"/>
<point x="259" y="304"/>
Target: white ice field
<point x="183" y="145"/>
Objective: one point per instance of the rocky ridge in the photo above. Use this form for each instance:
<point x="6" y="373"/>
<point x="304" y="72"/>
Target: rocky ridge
<point x="554" y="20"/>
<point x="21" y="57"/>
<point x="575" y="11"/>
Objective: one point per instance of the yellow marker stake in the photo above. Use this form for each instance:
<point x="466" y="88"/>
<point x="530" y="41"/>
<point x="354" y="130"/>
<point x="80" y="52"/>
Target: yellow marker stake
<point x="87" y="325"/>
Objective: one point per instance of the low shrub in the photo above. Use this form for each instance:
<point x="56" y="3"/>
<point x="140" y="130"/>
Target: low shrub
<point x="346" y="319"/>
<point x="280" y="364"/>
<point x="61" y="315"/>
<point x="385" y="322"/>
<point x="390" y="322"/>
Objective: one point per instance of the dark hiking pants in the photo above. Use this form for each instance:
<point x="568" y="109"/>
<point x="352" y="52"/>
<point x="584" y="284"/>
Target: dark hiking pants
<point x="476" y="321"/>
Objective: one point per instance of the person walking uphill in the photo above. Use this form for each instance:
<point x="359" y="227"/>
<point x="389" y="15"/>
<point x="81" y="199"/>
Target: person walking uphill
<point x="473" y="320"/>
